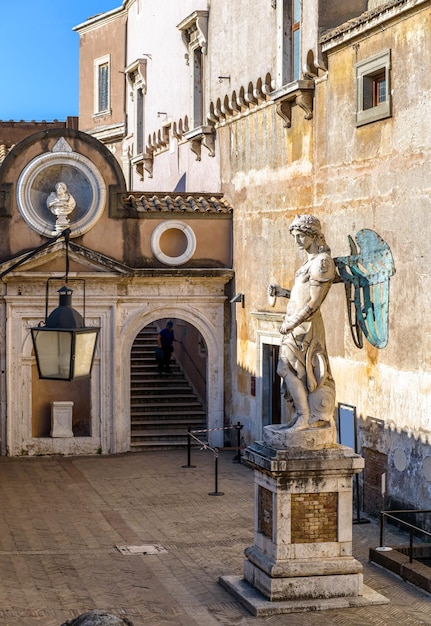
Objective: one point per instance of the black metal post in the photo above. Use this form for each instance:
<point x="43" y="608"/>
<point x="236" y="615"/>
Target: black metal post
<point x="358" y="506"/>
<point x="189" y="449"/>
<point x="382" y="524"/>
<point x="216" y="492"/>
<point x="237" y="457"/>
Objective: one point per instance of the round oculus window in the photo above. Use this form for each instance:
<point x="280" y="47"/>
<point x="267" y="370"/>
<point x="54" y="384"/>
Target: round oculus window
<point x="173" y="242"/>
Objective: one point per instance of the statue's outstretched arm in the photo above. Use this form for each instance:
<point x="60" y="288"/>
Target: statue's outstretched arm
<point x="275" y="291"/>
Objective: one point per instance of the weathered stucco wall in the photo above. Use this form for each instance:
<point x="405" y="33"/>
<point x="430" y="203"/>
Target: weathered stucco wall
<point x="375" y="176"/>
<point x="270" y="179"/>
<point x="99" y="39"/>
<point x="240" y="49"/>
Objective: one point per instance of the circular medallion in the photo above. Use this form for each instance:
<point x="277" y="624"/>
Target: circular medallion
<point x="426" y="468"/>
<point x="400" y="459"/>
<point x="173" y="242"/>
<point x="61" y="189"/>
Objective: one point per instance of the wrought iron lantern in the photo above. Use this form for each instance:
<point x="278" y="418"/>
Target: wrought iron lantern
<point x="63" y="345"/>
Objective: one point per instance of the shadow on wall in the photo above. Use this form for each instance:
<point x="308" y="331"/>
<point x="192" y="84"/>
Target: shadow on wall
<point x="181" y="184"/>
<point x="397" y="473"/>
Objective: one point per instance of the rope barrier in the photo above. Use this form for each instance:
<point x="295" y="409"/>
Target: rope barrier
<point x="205" y="446"/>
<point x="210" y="430"/>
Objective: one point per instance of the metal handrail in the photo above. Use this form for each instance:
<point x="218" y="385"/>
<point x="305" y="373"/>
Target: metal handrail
<point x="187" y="353"/>
<point x="411" y="527"/>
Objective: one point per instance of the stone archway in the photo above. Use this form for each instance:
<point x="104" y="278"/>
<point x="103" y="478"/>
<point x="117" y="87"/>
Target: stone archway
<point x="209" y="321"/>
<point x="165" y="405"/>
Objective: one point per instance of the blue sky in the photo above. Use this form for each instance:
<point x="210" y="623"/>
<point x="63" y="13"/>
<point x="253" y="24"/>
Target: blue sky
<point x="39" y="61"/>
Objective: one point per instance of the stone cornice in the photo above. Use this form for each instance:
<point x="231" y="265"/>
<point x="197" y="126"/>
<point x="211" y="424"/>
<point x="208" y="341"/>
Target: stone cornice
<point x="299" y="92"/>
<point x="196" y="22"/>
<point x="375" y="18"/>
<point x="102" y="266"/>
<point x="100" y="19"/>
<point x="110" y="133"/>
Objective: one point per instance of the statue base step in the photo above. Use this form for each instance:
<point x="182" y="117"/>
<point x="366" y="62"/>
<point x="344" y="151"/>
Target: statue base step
<point x="258" y="605"/>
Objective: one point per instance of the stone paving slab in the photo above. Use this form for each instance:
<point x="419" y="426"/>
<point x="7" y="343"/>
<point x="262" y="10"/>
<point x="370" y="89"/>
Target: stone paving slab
<point x="62" y="518"/>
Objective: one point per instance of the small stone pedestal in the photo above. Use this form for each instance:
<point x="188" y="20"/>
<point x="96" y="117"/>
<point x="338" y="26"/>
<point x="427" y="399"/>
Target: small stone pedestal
<point x="61" y="419"/>
<point x="302" y="554"/>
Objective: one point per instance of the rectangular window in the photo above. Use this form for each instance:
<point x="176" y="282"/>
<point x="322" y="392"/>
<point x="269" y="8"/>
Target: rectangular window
<point x="374" y="90"/>
<point x="193" y="29"/>
<point x="296" y="39"/>
<point x="373" y="97"/>
<point x="136" y="74"/>
<point x="139" y="121"/>
<point x="288" y="41"/>
<point x="197" y="88"/>
<point x="101" y="85"/>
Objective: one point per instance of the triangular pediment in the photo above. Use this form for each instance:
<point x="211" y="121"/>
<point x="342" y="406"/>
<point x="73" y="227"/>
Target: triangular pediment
<point x="53" y="259"/>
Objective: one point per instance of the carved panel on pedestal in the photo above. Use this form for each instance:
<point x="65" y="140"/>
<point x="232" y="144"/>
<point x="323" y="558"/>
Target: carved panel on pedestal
<point x="265" y="512"/>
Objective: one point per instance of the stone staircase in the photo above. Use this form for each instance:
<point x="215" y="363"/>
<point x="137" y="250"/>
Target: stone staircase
<point x="163" y="407"/>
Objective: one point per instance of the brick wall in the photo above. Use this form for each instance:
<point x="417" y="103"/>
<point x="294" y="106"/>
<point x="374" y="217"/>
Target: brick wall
<point x="314" y="517"/>
<point x="376" y="464"/>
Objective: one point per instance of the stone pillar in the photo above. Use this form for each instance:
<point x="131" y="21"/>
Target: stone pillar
<point x="303" y="524"/>
<point x="302" y="557"/>
<point x="61" y="419"/>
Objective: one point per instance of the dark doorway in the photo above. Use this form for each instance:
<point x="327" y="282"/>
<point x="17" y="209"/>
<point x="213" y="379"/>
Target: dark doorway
<point x="166" y="404"/>
<point x="271" y="383"/>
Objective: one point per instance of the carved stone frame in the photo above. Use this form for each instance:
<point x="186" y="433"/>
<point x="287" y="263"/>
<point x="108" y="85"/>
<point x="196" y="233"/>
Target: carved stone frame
<point x="83" y="180"/>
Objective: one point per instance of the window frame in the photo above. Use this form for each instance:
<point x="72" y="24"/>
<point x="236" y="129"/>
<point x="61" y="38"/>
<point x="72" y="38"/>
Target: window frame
<point x="197" y="79"/>
<point x="98" y="65"/>
<point x="289" y="17"/>
<point x="295" y="51"/>
<point x="136" y="74"/>
<point x="194" y="32"/>
<point x="367" y="75"/>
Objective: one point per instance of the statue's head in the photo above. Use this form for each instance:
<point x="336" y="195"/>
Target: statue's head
<point x="61" y="187"/>
<point x="310" y="225"/>
<point x="307" y="224"/>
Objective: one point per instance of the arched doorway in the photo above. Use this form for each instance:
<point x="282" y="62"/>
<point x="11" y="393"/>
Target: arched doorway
<point x="206" y="316"/>
<point x="165" y="405"/>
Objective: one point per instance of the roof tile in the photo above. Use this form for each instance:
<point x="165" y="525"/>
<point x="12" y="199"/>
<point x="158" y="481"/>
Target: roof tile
<point x="179" y="203"/>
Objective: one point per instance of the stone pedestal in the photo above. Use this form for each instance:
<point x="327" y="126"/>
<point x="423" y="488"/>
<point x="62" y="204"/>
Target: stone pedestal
<point x="61" y="419"/>
<point x="302" y="553"/>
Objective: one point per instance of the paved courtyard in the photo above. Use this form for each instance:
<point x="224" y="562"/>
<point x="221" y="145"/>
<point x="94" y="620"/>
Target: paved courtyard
<point x="65" y="523"/>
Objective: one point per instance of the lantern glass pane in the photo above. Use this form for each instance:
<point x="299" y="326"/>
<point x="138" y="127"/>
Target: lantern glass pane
<point x="85" y="344"/>
<point x="53" y="352"/>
